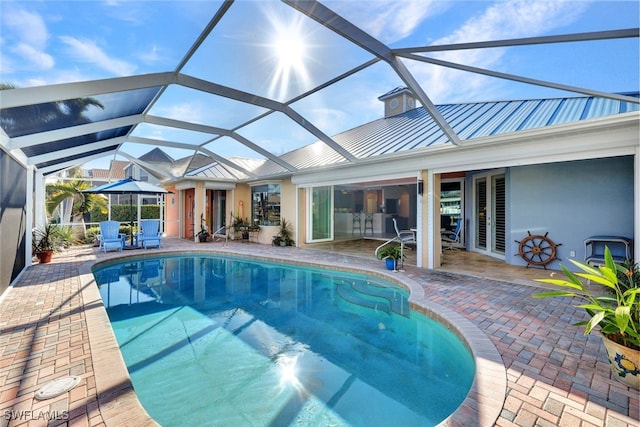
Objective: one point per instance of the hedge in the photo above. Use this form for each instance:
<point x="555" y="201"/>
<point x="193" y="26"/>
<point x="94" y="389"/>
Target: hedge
<point x="123" y="213"/>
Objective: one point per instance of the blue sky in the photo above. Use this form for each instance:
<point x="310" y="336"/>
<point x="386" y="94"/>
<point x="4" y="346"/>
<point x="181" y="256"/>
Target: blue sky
<point x="45" y="42"/>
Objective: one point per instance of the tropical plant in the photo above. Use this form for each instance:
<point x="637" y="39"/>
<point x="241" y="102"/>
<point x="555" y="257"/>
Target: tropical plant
<point x="629" y="277"/>
<point x="48" y="238"/>
<point x="285" y="233"/>
<point x="393" y="252"/>
<point x="616" y="311"/>
<point x="204" y="231"/>
<point x="238" y="223"/>
<point x="81" y="203"/>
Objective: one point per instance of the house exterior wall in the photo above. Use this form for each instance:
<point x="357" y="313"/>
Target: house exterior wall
<point x="172" y="213"/>
<point x="571" y="201"/>
<point x="289" y="208"/>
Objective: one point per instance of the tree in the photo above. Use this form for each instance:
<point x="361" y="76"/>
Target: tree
<point x="80" y="203"/>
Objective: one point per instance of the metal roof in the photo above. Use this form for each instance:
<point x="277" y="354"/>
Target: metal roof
<point x="58" y="126"/>
<point x="417" y="129"/>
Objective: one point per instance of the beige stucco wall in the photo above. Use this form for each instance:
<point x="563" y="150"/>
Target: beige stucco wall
<point x="239" y="202"/>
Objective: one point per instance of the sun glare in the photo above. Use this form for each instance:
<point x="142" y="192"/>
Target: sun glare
<point x="290" y="51"/>
<point x="288" y="370"/>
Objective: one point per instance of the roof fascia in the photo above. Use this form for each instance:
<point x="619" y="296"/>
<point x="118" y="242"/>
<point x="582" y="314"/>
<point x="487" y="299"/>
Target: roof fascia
<point x="51" y="93"/>
<point x="185" y="184"/>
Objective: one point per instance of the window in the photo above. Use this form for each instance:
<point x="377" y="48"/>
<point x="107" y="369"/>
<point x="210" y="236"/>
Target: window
<point x="265" y="204"/>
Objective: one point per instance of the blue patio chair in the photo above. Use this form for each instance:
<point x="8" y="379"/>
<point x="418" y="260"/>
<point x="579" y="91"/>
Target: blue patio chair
<point x="149" y="234"/>
<point x="404" y="237"/>
<point x="451" y="238"/>
<point x="110" y="236"/>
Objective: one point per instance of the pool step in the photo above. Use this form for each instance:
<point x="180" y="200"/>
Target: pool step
<point x="347" y="293"/>
<point x="373" y="297"/>
<point x="397" y="301"/>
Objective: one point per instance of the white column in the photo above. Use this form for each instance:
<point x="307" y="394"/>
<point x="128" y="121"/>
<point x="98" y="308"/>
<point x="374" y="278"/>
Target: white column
<point x="636" y="205"/>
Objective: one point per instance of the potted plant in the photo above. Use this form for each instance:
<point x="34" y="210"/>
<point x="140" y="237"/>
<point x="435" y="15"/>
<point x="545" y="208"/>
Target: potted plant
<point x="44" y="241"/>
<point x="203" y="234"/>
<point x="240" y="226"/>
<point x="391" y="254"/>
<point x="284" y="235"/>
<point x="616" y="311"/>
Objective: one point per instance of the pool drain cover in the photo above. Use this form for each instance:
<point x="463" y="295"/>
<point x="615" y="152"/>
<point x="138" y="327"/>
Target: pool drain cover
<point x="57" y="387"/>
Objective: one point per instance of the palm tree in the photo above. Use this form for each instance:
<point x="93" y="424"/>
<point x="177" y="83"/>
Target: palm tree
<point x="81" y="203"/>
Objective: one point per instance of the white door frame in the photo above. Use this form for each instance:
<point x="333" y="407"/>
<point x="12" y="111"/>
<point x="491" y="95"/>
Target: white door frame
<point x="310" y="215"/>
<point x="489" y="220"/>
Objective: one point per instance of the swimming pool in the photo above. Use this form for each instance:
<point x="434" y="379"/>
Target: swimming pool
<point x="218" y="340"/>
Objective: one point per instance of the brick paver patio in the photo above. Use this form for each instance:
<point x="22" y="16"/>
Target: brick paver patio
<point x="53" y="325"/>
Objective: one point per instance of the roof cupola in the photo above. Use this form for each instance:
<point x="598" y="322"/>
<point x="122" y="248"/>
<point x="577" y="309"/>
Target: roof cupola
<point x="397" y="101"/>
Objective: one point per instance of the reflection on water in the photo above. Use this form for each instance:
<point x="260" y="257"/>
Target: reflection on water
<point x="278" y="345"/>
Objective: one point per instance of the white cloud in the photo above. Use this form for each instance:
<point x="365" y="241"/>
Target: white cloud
<point x="28" y="27"/>
<point x="151" y="56"/>
<point x="502" y="20"/>
<point x="34" y="56"/>
<point x="388" y="21"/>
<point x="329" y="120"/>
<point x="88" y="51"/>
<point x="26" y="34"/>
<point x="188" y="112"/>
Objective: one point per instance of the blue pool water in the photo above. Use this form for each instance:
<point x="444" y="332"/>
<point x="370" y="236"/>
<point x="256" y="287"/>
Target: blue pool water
<point x="222" y="341"/>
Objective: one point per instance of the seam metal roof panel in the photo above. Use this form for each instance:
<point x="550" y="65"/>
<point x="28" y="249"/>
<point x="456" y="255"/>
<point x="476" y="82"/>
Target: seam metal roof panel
<point x="602" y="107"/>
<point x="570" y="110"/>
<point x="543" y="113"/>
<point x="498" y="119"/>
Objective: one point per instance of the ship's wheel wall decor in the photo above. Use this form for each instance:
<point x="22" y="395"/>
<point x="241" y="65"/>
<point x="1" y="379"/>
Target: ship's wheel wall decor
<point x="537" y="250"/>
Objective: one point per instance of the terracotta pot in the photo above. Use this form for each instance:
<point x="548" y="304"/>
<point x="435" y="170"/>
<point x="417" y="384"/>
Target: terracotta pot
<point x="625" y="362"/>
<point x="44" y="257"/>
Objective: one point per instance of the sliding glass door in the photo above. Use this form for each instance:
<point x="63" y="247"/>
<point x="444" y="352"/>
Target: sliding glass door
<point x="320" y="211"/>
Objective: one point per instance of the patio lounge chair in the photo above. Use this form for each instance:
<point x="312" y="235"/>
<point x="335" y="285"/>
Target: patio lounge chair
<point x="403" y="237"/>
<point x="110" y="236"/>
<point x="149" y="234"/>
<point x="450" y="238"/>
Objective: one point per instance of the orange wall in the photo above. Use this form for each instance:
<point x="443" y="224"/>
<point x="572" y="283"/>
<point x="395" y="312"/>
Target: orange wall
<point x="172" y="213"/>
